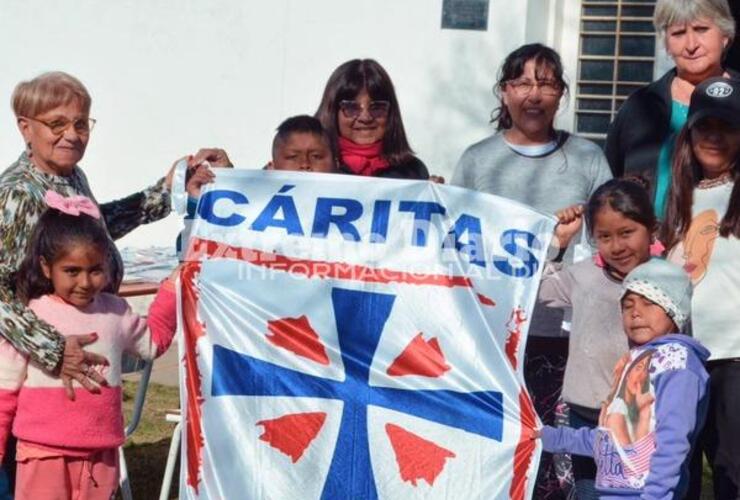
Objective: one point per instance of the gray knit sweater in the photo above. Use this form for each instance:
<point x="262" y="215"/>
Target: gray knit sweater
<point x="597" y="338"/>
<point x="566" y="176"/>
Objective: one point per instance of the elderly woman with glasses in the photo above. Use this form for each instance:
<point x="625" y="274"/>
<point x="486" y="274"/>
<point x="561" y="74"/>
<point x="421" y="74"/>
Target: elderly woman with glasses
<point x="52" y="112"/>
<point x="641" y="138"/>
<point x="530" y="161"/>
<point x="360" y="112"/>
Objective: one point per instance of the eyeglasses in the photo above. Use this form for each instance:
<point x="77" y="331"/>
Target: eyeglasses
<point x="547" y="87"/>
<point x="58" y="126"/>
<point x="376" y="109"/>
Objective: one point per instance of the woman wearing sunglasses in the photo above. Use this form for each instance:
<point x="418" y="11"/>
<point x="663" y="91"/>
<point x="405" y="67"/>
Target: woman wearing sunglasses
<point x="360" y="112"/>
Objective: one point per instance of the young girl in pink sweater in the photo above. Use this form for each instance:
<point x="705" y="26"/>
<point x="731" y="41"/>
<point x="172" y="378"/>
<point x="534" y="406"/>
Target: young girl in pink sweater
<point x="67" y="448"/>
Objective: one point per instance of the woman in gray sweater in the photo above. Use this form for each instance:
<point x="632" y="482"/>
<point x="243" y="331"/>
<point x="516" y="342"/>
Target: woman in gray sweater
<point x="529" y="161"/>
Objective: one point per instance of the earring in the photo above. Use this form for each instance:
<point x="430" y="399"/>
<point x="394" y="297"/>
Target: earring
<point x="29" y="151"/>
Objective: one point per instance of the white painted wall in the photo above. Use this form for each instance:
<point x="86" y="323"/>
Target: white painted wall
<point x="168" y="77"/>
<point x="564" y="29"/>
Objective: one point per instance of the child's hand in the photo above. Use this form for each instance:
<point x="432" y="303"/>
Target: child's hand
<point x="570" y="220"/>
<point x="532" y="434"/>
<point x="202" y="175"/>
<point x="437" y="179"/>
<point x="216" y="157"/>
<point x="643" y="402"/>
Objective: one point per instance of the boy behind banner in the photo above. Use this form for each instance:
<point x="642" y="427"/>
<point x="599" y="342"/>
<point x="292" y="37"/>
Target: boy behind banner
<point x="300" y="145"/>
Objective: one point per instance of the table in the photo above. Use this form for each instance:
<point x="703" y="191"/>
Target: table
<point x="138" y="288"/>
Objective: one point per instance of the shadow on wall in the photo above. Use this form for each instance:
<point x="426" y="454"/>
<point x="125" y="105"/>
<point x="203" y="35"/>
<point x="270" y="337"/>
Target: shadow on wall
<point x="458" y="105"/>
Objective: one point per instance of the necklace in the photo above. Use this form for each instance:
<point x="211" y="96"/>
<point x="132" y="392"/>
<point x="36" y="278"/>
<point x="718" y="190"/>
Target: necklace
<point x="725" y="178"/>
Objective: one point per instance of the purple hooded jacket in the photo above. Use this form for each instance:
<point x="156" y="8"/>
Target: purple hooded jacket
<point x="652" y="465"/>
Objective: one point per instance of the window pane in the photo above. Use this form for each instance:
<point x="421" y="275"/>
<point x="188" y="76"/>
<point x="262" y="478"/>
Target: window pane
<point x="626" y="90"/>
<point x="635" y="71"/>
<point x="608" y="26"/>
<point x="595" y="104"/>
<point x="597" y="70"/>
<point x="638" y="26"/>
<point x="598" y="45"/>
<point x="593" y="123"/>
<point x="600" y="11"/>
<point x="637" y="46"/>
<point x="595" y="89"/>
<point x="637" y="11"/>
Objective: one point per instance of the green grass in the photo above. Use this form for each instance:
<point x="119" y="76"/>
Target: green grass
<point x="146" y="451"/>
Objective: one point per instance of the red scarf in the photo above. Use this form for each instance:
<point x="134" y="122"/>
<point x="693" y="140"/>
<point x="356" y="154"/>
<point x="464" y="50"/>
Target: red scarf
<point x="362" y="159"/>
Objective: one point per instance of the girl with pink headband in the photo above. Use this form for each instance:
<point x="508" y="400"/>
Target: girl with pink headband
<point x="67" y="436"/>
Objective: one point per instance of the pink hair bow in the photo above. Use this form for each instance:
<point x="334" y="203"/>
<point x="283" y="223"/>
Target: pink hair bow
<point x="74" y="205"/>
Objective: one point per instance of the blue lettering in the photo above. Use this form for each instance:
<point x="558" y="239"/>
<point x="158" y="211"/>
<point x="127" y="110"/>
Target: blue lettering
<point x="473" y="247"/>
<point x="509" y="242"/>
<point x="208" y="201"/>
<point x="423" y="211"/>
<point x="324" y="217"/>
<point x="268" y="217"/>
<point x="379" y="227"/>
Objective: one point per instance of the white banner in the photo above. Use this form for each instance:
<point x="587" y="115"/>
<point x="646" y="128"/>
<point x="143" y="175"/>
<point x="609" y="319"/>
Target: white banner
<point x="346" y="337"/>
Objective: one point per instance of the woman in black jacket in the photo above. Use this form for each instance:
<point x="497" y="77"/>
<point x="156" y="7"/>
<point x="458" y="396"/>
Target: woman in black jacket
<point x="640" y="140"/>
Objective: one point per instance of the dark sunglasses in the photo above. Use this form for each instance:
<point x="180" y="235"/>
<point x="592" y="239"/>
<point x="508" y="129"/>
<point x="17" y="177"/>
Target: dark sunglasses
<point x="376" y="109"/>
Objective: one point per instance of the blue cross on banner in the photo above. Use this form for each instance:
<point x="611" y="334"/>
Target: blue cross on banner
<point x="360" y="319"/>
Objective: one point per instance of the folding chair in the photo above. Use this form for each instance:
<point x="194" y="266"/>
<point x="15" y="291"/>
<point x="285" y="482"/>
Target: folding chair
<point x="132" y="365"/>
<point x="174" y="416"/>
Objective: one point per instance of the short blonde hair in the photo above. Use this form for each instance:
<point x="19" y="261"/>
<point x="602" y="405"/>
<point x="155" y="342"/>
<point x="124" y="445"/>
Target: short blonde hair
<point x="669" y="12"/>
<point x="46" y="92"/>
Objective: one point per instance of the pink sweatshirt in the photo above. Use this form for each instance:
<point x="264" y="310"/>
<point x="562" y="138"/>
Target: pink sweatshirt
<point x="38" y="402"/>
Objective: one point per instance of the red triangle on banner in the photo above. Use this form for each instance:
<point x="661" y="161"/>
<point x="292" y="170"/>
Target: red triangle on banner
<point x="420" y="357"/>
<point x="298" y="336"/>
<point x="417" y="458"/>
<point x="291" y="434"/>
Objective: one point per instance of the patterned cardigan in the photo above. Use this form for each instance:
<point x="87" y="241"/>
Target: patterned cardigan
<point x="22" y="189"/>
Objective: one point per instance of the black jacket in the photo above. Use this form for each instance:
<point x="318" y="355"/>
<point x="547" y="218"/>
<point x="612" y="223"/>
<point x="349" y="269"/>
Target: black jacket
<point x="413" y="169"/>
<point x="637" y="133"/>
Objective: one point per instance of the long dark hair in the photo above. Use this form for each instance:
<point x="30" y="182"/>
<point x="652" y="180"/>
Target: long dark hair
<point x="513" y="67"/>
<point x="52" y="238"/>
<point x="687" y="172"/>
<point x="345" y="83"/>
<point x="627" y="196"/>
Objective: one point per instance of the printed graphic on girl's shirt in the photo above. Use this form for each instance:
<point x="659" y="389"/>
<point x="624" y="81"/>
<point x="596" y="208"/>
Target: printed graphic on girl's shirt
<point x="699" y="244"/>
<point x="627" y="421"/>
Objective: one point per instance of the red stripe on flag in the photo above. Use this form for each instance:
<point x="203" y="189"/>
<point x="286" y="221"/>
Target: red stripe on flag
<point x="192" y="331"/>
<point x="324" y="269"/>
<point x="525" y="449"/>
